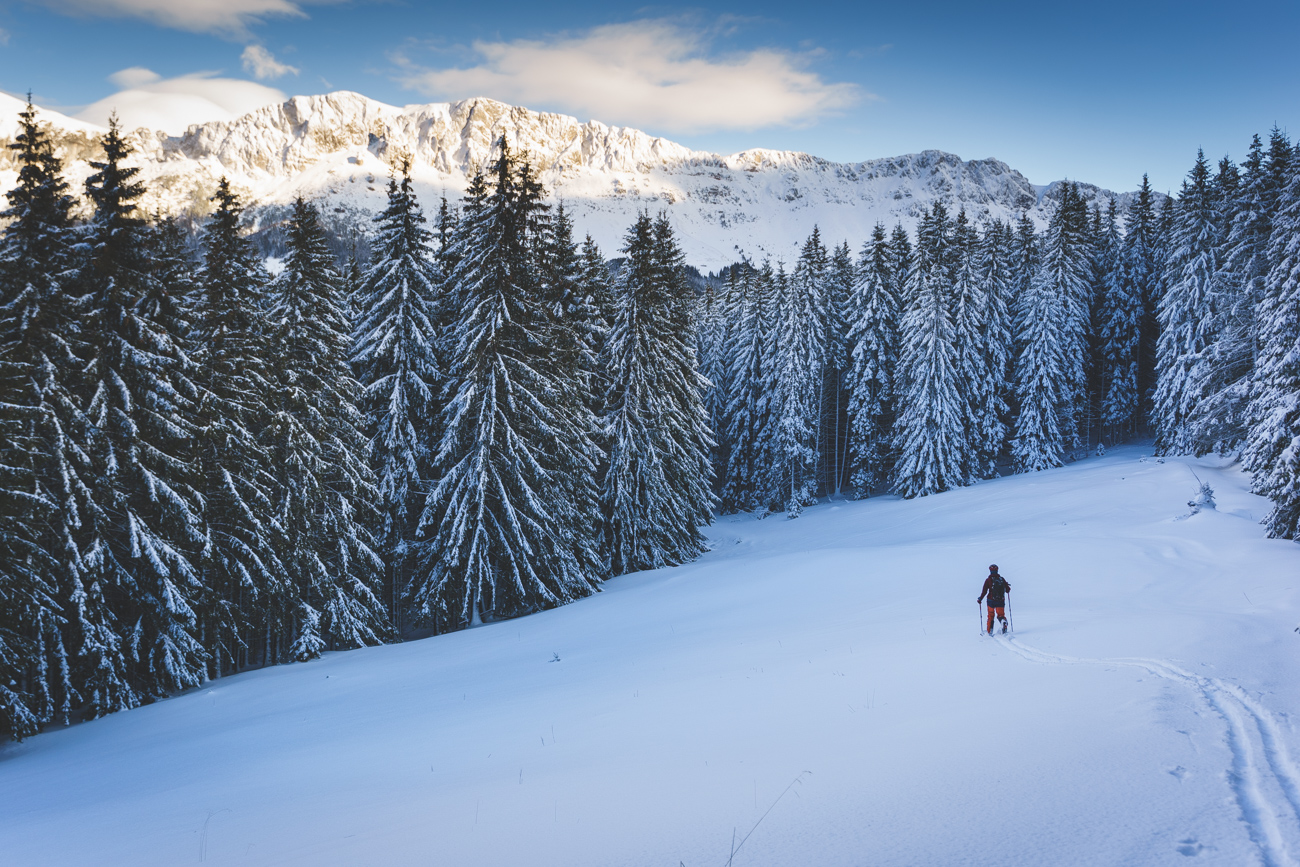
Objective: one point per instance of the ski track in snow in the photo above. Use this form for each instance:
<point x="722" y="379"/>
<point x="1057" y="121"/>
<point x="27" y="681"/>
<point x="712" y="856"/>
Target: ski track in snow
<point x="1251" y="731"/>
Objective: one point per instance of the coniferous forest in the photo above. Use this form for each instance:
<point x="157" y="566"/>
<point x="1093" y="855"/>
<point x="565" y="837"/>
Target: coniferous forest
<point x="208" y="464"/>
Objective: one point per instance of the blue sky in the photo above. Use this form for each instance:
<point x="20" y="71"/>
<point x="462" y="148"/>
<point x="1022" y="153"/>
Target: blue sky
<point x="1100" y="92"/>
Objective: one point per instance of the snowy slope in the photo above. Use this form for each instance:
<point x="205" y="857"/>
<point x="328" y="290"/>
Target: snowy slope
<point x="1142" y="713"/>
<point x="11" y="107"/>
<point x="341" y="147"/>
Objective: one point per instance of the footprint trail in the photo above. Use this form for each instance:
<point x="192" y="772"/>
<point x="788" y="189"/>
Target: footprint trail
<point x="1262" y="768"/>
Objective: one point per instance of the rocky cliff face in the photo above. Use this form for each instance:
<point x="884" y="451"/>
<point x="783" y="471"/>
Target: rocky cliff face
<point x="340" y="148"/>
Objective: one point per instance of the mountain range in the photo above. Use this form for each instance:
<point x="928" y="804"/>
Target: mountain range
<point x="340" y="148"/>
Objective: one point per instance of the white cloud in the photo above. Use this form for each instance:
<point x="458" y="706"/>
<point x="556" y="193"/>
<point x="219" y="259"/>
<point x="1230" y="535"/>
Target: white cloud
<point x="655" y="74"/>
<point x="134" y="76"/>
<point x="262" y="64"/>
<point x="228" y="17"/>
<point x="172" y="104"/>
<point x="4" y="36"/>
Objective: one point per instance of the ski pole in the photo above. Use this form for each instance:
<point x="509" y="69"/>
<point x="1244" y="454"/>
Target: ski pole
<point x="1010" y="618"/>
<point x="979" y="615"/>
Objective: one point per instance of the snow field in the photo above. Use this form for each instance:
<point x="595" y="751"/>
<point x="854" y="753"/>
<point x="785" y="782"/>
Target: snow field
<point x="1140" y="714"/>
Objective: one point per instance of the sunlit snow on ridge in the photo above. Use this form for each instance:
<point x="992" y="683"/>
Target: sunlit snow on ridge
<point x="341" y="147"/>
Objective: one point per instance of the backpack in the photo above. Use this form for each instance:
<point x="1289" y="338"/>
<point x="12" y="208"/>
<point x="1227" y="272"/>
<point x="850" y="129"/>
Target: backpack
<point x="998" y="588"/>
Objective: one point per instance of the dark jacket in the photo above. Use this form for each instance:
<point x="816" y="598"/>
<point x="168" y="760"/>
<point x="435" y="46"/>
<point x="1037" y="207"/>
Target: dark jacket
<point x="996" y="588"/>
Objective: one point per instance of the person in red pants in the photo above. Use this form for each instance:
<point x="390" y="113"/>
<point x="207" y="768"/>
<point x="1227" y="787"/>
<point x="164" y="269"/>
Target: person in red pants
<point x="996" y="589"/>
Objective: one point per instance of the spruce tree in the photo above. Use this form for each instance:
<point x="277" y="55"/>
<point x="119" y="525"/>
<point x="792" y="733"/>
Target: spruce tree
<point x="969" y="308"/>
<point x="1246" y="261"/>
<point x="1187" y="310"/>
<point x="656" y="491"/>
<point x="27" y="589"/>
<point x="36" y="254"/>
<point x="731" y="303"/>
<point x="931" y="431"/>
<point x="395" y="345"/>
<point x="1066" y="262"/>
<point x="325" y="491"/>
<point x="1140" y="279"/>
<point x="687" y="424"/>
<point x="1042" y="376"/>
<point x="1161" y="252"/>
<point x="142" y="585"/>
<point x="712" y="331"/>
<point x="1248" y="206"/>
<point x="501" y="525"/>
<point x="1272" y="449"/>
<point x="872" y="312"/>
<point x="990" y="408"/>
<point x="29" y="602"/>
<point x="744" y="419"/>
<point x="42" y="495"/>
<point x="1045" y="329"/>
<point x="769" y="477"/>
<point x="575" y="333"/>
<point x="1121" y="317"/>
<point x="250" y="618"/>
<point x="799" y="377"/>
<point x="1218" y="419"/>
<point x="797" y="368"/>
<point x="1102" y="259"/>
<point x="1051" y="326"/>
<point x="841" y="276"/>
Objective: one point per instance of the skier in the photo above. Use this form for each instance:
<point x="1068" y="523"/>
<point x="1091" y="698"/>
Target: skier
<point x="996" y="588"/>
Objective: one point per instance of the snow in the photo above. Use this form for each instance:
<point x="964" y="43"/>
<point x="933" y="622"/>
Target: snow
<point x="1141" y="713"/>
<point x="341" y="147"/>
<point x="12" y="106"/>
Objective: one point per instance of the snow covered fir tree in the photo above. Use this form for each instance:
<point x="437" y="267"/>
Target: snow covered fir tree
<point x="325" y="489"/>
<point x="245" y="439"/>
<point x="506" y="526"/>
<point x="656" y="487"/>
<point x="395" y="349"/>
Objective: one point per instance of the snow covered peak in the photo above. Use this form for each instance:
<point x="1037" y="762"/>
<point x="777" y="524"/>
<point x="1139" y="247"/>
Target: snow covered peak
<point x="340" y="147"/>
<point x="457" y="137"/>
<point x="12" y="106"/>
